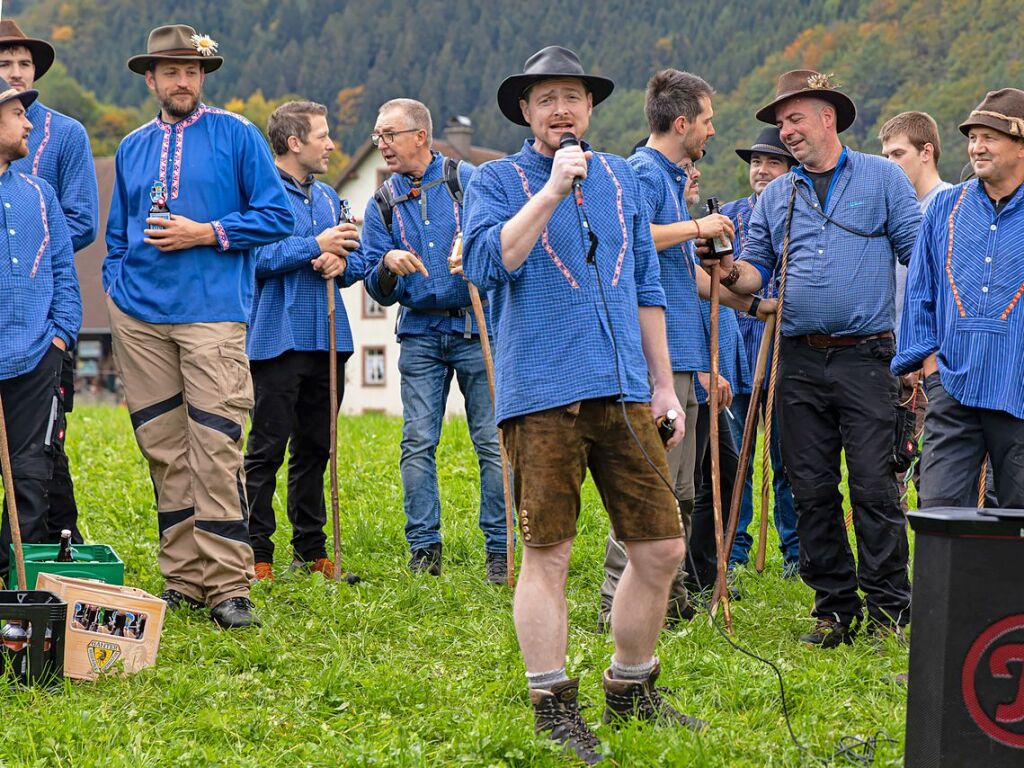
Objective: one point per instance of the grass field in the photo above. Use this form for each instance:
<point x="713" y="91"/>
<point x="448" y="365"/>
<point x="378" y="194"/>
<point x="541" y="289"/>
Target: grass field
<point x="404" y="671"/>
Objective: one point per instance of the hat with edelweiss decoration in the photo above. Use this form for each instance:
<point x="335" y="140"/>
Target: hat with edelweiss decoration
<point x="177" y="42"/>
<point x="806" y="83"/>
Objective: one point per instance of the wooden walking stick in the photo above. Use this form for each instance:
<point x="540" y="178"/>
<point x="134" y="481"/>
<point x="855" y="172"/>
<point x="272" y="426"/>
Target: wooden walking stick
<point x="982" y="477"/>
<point x="12" y="504"/>
<point x="485" y="346"/>
<point x="749" y="438"/>
<point x="716" y="470"/>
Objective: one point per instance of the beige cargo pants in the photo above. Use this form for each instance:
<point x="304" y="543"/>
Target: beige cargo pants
<point x="188" y="392"/>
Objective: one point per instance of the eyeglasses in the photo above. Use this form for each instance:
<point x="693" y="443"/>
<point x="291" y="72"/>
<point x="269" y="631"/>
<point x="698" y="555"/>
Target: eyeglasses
<point x="388" y="137"/>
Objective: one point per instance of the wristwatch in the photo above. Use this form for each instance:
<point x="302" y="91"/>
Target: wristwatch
<point x="752" y="309"/>
<point x="731" y="278"/>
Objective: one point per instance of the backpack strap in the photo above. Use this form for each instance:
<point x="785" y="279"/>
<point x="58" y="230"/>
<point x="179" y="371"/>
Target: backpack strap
<point x="450" y="170"/>
<point x="385" y="201"/>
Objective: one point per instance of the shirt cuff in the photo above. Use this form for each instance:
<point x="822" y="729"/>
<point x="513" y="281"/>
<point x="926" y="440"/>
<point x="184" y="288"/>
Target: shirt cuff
<point x="651" y="296"/>
<point x="909" y="360"/>
<point x="222" y="236"/>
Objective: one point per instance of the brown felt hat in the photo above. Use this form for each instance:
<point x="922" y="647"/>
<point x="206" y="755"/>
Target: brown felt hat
<point x="804" y="83"/>
<point x="1002" y="110"/>
<point x="178" y="42"/>
<point x="42" y="51"/>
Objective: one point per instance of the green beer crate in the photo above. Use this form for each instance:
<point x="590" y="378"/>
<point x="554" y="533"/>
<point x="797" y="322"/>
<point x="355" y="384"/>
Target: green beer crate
<point x="91" y="561"/>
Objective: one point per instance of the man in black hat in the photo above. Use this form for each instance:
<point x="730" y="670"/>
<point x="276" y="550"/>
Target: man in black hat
<point x="58" y="151"/>
<point x="579" y="322"/>
<point x="42" y="318"/>
<point x="767" y="159"/>
<point x="961" y="318"/>
<point x="832" y="229"/>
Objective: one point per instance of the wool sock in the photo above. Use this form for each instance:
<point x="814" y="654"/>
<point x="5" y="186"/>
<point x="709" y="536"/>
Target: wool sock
<point x="545" y="680"/>
<point x="633" y="671"/>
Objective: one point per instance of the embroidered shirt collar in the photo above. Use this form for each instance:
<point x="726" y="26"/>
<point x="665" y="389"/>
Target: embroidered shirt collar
<point x="185" y="122"/>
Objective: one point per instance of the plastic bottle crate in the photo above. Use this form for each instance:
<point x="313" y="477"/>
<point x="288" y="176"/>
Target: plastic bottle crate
<point x="91" y="561"/>
<point x="40" y="660"/>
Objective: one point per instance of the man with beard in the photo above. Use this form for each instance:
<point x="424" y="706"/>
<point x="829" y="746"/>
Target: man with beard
<point x="42" y="318"/>
<point x="196" y="192"/>
<point x="961" y="319"/>
<point x="833" y="228"/>
<point x="580" y="342"/>
<point x="59" y="152"/>
<point x="288" y="339"/>
<point x="410" y="226"/>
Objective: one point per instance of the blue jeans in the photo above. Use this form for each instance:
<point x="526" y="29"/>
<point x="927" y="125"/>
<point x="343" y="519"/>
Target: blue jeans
<point x="427" y="365"/>
<point x="784" y="510"/>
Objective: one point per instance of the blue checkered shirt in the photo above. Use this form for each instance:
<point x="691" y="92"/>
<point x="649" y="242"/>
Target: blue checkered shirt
<point x="963" y="299"/>
<point x="58" y="151"/>
<point x="37" y="274"/>
<point x="837" y="283"/>
<point x="553" y="343"/>
<point x="289" y="307"/>
<point x="426" y="227"/>
<point x="662" y="183"/>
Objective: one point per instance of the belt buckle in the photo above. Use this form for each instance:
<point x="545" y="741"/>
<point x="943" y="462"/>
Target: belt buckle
<point x="817" y="341"/>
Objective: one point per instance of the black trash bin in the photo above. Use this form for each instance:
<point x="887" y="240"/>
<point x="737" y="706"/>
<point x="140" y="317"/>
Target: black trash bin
<point x="965" y="704"/>
<point x="32" y="637"/>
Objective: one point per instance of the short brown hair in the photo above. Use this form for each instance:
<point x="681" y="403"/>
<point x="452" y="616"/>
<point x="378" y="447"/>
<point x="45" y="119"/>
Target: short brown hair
<point x="291" y="119"/>
<point x="918" y="127"/>
<point x="671" y="93"/>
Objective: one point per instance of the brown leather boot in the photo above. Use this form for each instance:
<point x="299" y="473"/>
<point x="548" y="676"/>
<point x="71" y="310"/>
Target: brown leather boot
<point x="556" y="713"/>
<point x="641" y="699"/>
<point x="264" y="572"/>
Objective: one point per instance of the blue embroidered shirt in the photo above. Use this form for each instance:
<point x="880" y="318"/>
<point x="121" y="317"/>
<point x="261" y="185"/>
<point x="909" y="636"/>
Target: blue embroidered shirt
<point x="662" y="183"/>
<point x="963" y="299"/>
<point x="37" y="274"/>
<point x="289" y="308"/>
<point x="58" y="151"/>
<point x="216" y="167"/>
<point x="553" y="343"/>
<point x="424" y="226"/>
<point x="837" y="283"/>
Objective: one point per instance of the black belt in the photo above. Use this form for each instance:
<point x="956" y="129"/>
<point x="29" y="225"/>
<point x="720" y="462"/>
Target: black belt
<point x="823" y="341"/>
<point x="464" y="312"/>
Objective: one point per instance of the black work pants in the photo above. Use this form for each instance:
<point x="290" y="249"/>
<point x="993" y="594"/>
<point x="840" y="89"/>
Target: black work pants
<point x="292" y="406"/>
<point x="32" y="413"/>
<point x="703" y="553"/>
<point x="60" y="489"/>
<point x="956" y="439"/>
<point x="831" y="400"/>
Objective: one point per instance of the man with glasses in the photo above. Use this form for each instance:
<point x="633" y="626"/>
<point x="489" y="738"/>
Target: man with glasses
<point x="410" y="227"/>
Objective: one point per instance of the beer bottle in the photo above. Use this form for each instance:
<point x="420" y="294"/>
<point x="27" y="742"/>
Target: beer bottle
<point x="158" y="198"/>
<point x="64" y="554"/>
<point x="667" y="425"/>
<point x="13" y="636"/>
<point x="719" y="245"/>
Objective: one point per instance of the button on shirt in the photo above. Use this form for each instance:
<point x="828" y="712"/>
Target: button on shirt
<point x="289" y="308"/>
<point x="837" y="283"/>
<point x="424" y="226"/>
<point x="553" y="341"/>
<point x="216" y="167"/>
<point x="662" y="183"/>
<point x="38" y="282"/>
<point x="963" y="300"/>
<point x="58" y="151"/>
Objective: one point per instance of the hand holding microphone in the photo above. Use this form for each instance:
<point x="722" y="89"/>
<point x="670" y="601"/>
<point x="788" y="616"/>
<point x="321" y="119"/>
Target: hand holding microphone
<point x="569" y="167"/>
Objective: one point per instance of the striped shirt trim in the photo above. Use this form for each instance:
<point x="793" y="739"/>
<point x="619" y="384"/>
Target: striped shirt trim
<point x="544" y="233"/>
<point x="222" y="236"/>
<point x="622" y="220"/>
<point x="46" y="224"/>
<point x="42" y="144"/>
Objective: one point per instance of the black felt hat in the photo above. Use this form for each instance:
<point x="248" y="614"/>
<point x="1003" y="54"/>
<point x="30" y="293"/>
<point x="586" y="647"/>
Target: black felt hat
<point x="768" y="143"/>
<point x="9" y="93"/>
<point x="548" y="64"/>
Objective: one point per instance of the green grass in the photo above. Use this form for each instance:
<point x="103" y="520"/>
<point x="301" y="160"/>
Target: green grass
<point x="404" y="671"/>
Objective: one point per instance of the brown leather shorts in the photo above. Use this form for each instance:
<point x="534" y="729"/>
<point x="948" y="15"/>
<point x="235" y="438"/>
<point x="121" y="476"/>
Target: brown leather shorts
<point x="550" y="452"/>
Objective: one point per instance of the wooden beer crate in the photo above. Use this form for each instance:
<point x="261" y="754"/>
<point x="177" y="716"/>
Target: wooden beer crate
<point x="109" y="628"/>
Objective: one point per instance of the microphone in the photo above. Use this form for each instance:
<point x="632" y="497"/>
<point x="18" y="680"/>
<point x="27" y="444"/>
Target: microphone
<point x="569" y="140"/>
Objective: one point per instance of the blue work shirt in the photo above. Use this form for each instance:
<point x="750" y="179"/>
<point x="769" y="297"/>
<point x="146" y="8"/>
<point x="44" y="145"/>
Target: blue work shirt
<point x="289" y="307"/>
<point x="59" y="151"/>
<point x="837" y="283"/>
<point x="216" y="167"/>
<point x="751" y="329"/>
<point x="426" y="227"/>
<point x="553" y="342"/>
<point x="662" y="183"/>
<point x="963" y="299"/>
<point x="37" y="274"/>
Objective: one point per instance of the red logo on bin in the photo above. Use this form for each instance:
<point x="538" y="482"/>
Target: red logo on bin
<point x="992" y="681"/>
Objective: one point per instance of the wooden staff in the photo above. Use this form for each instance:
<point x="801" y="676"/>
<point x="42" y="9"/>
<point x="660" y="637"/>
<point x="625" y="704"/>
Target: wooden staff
<point x="12" y="504"/>
<point x="982" y="477"/>
<point x="716" y="470"/>
<point x="749" y="438"/>
<point x="332" y="357"/>
<point x="485" y="346"/>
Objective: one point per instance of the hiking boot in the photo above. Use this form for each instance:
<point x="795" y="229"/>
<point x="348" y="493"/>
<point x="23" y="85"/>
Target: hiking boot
<point x="426" y="560"/>
<point x="641" y="699"/>
<point x="556" y="713"/>
<point x="234" y="613"/>
<point x="322" y="565"/>
<point x="176" y="600"/>
<point x="497" y="568"/>
<point x="829" y="633"/>
<point x="264" y="572"/>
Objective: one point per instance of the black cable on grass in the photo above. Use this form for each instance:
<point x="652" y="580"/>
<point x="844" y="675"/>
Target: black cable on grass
<point x="858" y="750"/>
